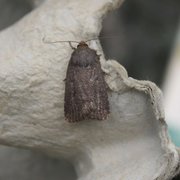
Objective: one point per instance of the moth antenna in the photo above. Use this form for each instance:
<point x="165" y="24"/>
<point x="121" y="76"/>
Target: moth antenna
<point x="92" y="39"/>
<point x="43" y="39"/>
<point x="107" y="37"/>
<point x="71" y="45"/>
<point x="102" y="37"/>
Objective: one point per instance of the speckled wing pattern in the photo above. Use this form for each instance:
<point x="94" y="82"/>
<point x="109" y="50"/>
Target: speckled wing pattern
<point x="85" y="89"/>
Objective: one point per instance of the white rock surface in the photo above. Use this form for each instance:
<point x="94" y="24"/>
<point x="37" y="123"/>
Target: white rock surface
<point x="132" y="144"/>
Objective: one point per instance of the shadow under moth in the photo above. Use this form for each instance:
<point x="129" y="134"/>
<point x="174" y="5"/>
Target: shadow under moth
<point x="85" y="87"/>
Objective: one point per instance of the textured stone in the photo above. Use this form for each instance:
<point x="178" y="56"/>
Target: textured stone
<point x="132" y="144"/>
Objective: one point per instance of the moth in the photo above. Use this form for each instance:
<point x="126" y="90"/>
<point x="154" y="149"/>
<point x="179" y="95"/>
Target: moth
<point x="85" y="87"/>
<point x="86" y="94"/>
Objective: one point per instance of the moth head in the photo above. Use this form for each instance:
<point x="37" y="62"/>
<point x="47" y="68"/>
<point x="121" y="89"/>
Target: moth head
<point x="82" y="44"/>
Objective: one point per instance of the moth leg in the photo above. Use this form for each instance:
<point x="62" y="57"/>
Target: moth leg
<point x="93" y="77"/>
<point x="106" y="74"/>
<point x="108" y="88"/>
<point x="71" y="45"/>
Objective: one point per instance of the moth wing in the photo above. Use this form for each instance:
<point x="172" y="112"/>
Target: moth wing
<point x="100" y="95"/>
<point x="85" y="92"/>
<point x="70" y="106"/>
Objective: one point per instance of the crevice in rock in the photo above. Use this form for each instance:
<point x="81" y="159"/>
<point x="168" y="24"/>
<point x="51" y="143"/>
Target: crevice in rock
<point x="21" y="164"/>
<point x="13" y="10"/>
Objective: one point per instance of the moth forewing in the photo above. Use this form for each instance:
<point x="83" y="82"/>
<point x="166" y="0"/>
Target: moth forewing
<point x="85" y="88"/>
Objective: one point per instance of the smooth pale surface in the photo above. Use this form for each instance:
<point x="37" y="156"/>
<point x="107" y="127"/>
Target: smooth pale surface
<point x="171" y="93"/>
<point x="131" y="144"/>
<point x="172" y="87"/>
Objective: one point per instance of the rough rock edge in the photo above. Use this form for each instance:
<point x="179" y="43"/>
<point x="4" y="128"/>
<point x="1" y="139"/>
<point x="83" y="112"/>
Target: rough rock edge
<point x="118" y="72"/>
